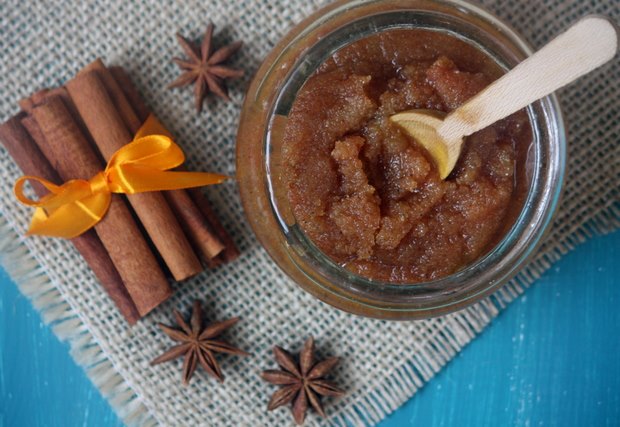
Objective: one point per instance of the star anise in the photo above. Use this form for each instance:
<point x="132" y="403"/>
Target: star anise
<point x="204" y="68"/>
<point x="301" y="382"/>
<point x="198" y="344"/>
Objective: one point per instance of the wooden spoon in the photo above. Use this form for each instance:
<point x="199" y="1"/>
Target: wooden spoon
<point x="586" y="45"/>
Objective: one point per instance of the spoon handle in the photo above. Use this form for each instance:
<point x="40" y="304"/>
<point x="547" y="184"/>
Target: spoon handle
<point x="586" y="45"/>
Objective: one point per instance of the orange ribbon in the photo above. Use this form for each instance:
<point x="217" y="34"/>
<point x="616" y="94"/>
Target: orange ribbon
<point x="142" y="165"/>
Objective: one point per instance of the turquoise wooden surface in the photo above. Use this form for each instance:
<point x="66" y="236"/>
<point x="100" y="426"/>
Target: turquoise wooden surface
<point x="552" y="358"/>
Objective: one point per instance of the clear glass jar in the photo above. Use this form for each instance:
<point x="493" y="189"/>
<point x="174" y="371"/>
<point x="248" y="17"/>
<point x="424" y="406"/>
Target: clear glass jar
<point x="263" y="119"/>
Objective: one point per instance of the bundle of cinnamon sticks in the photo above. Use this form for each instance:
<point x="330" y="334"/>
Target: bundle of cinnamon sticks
<point x="71" y="132"/>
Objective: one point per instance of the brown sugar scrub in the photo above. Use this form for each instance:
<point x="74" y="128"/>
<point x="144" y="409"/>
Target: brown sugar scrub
<point x="368" y="195"/>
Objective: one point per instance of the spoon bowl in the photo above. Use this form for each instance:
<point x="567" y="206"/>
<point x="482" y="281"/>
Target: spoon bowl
<point x="423" y="126"/>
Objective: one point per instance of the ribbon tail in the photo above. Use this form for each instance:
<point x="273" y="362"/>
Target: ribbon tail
<point x="136" y="179"/>
<point x="70" y="220"/>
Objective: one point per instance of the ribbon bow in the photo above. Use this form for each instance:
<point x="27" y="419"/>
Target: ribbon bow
<point x="142" y="165"/>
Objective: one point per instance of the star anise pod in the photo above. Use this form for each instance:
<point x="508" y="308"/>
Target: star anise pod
<point x="204" y="68"/>
<point x="198" y="344"/>
<point x="302" y="382"/>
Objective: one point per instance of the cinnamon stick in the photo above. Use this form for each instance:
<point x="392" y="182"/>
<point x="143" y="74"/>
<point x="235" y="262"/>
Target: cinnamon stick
<point x="131" y="92"/>
<point x="191" y="219"/>
<point x="28" y="104"/>
<point x="230" y="251"/>
<point x="29" y="158"/>
<point x="204" y="237"/>
<point x="68" y="150"/>
<point x="110" y="134"/>
<point x="40" y="96"/>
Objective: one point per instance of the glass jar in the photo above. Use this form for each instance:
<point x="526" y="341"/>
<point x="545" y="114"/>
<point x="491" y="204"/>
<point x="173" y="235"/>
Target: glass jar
<point x="265" y="201"/>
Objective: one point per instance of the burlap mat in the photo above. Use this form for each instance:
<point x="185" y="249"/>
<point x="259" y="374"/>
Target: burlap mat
<point x="45" y="43"/>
